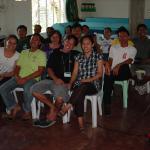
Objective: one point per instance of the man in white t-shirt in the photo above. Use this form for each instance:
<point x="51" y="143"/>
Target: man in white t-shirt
<point x="117" y="67"/>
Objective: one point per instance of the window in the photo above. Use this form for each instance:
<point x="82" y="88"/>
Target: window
<point x="48" y="12"/>
<point x="20" y="0"/>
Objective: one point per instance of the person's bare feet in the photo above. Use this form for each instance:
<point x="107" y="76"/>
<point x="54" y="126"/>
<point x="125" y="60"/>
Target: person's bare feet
<point x="26" y="116"/>
<point x="81" y="123"/>
<point x="64" y="110"/>
<point x="15" y="110"/>
<point x="52" y="115"/>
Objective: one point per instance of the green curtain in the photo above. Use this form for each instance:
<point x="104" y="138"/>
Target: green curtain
<point x="72" y="10"/>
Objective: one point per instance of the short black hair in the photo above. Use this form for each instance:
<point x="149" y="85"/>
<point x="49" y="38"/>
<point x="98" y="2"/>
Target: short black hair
<point x="68" y="26"/>
<point x="76" y="25"/>
<point x="36" y="34"/>
<point x="38" y="25"/>
<point x="141" y="25"/>
<point x="69" y="37"/>
<point x="85" y="26"/>
<point x="122" y="29"/>
<point x="108" y="28"/>
<point x="58" y="33"/>
<point x="22" y="27"/>
<point x="12" y="36"/>
<point x="51" y="28"/>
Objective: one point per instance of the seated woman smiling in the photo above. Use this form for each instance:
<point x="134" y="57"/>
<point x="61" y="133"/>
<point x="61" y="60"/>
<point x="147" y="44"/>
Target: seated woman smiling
<point x="85" y="79"/>
<point x="8" y="58"/>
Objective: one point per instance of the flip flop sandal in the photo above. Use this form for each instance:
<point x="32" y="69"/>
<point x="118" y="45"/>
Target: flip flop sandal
<point x="64" y="110"/>
<point x="8" y="117"/>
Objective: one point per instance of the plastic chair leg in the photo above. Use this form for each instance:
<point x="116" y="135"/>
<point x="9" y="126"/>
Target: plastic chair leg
<point x="148" y="86"/>
<point x="94" y="111"/>
<point x="33" y="109"/>
<point x="125" y="94"/>
<point x="99" y="100"/>
<point x="85" y="105"/>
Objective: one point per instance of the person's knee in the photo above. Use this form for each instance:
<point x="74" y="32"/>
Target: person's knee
<point x="35" y="94"/>
<point x="38" y="87"/>
<point x="32" y="89"/>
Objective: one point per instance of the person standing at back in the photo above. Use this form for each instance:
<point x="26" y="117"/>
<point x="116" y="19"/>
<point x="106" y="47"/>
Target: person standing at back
<point x="23" y="42"/>
<point x="106" y="43"/>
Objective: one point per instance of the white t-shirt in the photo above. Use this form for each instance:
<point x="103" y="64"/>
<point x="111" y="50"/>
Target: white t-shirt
<point x="7" y="64"/>
<point x="105" y="44"/>
<point x="120" y="54"/>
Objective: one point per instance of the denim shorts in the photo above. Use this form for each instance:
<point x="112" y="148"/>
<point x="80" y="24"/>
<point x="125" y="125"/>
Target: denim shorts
<point x="56" y="90"/>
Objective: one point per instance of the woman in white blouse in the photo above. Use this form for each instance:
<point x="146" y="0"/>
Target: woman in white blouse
<point x="8" y="58"/>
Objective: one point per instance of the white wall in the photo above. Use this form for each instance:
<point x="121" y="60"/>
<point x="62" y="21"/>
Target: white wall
<point x="147" y="9"/>
<point x="16" y="13"/>
<point x="107" y="8"/>
<point x="2" y="23"/>
<point x="2" y="17"/>
<point x="111" y="8"/>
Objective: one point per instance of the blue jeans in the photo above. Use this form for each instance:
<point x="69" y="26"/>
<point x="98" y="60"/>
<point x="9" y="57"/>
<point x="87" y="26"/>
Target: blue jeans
<point x="8" y="97"/>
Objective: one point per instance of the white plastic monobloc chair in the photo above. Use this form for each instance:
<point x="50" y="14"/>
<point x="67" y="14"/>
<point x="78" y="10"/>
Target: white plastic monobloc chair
<point x="147" y="86"/>
<point x="94" y="99"/>
<point x="124" y="84"/>
<point x="36" y="106"/>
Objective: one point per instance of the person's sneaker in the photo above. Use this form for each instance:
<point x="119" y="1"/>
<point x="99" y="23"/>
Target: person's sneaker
<point x="43" y="123"/>
<point x="36" y="123"/>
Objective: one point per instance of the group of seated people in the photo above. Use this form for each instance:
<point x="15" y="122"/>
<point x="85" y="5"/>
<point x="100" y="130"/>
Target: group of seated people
<point x="77" y="62"/>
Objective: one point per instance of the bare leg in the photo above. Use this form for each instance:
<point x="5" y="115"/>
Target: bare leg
<point x="15" y="110"/>
<point x="81" y="123"/>
<point x="64" y="109"/>
<point x="41" y="97"/>
<point x="52" y="115"/>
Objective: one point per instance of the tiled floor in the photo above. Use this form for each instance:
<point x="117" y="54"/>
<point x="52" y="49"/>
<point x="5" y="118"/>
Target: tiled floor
<point x="123" y="130"/>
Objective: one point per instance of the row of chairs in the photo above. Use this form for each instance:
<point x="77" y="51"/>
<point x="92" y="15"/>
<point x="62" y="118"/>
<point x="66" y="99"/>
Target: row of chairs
<point x="96" y="102"/>
<point x="36" y="106"/>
